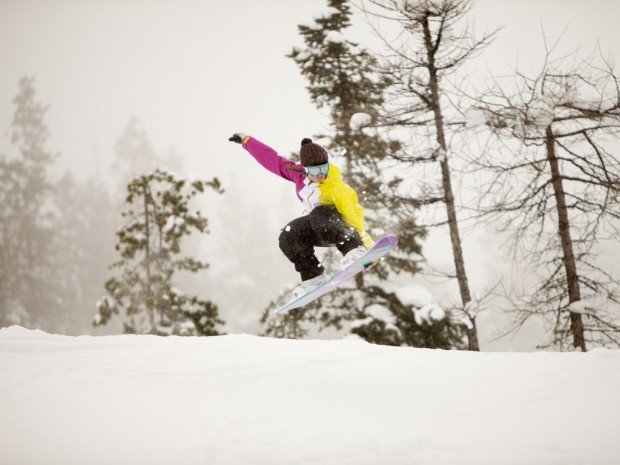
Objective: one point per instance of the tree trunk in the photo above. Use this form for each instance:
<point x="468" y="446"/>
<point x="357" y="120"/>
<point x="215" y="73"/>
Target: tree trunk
<point x="147" y="258"/>
<point x="567" y="244"/>
<point x="457" y="249"/>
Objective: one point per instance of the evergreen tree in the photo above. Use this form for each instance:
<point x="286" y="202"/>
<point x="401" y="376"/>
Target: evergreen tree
<point x="52" y="231"/>
<point x="27" y="293"/>
<point x="343" y="77"/>
<point x="157" y="217"/>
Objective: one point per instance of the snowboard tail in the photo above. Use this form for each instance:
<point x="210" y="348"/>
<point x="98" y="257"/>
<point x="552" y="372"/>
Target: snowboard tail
<point x="380" y="249"/>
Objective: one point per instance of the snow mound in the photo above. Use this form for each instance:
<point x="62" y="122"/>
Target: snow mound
<point x="429" y="313"/>
<point x="359" y="120"/>
<point x="335" y="37"/>
<point x="242" y="399"/>
<point x="326" y="12"/>
<point x="415" y="295"/>
<point x="381" y="313"/>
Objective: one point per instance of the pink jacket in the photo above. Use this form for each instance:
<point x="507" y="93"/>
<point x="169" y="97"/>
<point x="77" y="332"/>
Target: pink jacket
<point x="281" y="166"/>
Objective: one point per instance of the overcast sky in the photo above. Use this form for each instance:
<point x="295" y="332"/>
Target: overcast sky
<point x="195" y="71"/>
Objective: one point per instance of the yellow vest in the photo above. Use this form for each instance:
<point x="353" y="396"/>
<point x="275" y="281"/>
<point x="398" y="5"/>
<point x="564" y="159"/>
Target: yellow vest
<point x="335" y="192"/>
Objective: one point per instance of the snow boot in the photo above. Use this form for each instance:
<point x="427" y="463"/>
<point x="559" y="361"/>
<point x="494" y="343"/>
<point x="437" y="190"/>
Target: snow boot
<point x="352" y="256"/>
<point x="306" y="285"/>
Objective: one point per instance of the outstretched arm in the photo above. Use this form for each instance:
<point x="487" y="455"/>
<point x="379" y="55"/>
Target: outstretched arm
<point x="268" y="157"/>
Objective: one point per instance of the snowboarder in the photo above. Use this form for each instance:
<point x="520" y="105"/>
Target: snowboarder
<point x="332" y="216"/>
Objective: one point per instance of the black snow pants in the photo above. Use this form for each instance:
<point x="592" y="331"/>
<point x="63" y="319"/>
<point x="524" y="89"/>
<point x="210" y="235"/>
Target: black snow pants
<point x="322" y="227"/>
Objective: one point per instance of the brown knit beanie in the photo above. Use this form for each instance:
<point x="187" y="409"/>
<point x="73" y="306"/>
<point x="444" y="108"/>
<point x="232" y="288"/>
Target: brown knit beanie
<point x="311" y="153"/>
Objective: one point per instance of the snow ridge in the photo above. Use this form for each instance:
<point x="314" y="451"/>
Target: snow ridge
<point x="245" y="399"/>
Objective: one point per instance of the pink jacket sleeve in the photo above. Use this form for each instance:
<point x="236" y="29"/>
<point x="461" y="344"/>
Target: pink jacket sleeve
<point x="269" y="158"/>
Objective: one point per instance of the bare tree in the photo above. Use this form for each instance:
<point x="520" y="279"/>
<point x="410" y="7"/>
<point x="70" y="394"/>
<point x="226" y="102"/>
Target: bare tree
<point x="558" y="190"/>
<point x="428" y="49"/>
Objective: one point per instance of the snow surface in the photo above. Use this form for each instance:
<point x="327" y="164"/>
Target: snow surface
<point x="243" y="399"/>
<point x="414" y="294"/>
<point x="359" y="120"/>
<point x="580" y="306"/>
<point x="382" y="313"/>
<point x="440" y="154"/>
<point x="326" y="12"/>
<point x="172" y="222"/>
<point x="428" y="313"/>
<point x="335" y="37"/>
<point x="475" y="117"/>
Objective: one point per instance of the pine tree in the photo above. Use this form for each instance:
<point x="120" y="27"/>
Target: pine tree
<point x="157" y="217"/>
<point x="27" y="293"/>
<point x="343" y="77"/>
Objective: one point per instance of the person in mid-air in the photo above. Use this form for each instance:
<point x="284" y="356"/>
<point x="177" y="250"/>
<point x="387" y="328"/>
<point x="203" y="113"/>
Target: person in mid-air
<point x="332" y="216"/>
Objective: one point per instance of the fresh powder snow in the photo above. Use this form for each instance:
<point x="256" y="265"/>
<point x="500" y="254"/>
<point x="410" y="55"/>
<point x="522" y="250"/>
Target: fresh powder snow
<point x="360" y="120"/>
<point x="243" y="399"/>
<point x="475" y="117"/>
<point x="335" y="37"/>
<point x="414" y="294"/>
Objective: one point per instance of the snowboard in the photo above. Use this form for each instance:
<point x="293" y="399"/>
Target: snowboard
<point x="381" y="248"/>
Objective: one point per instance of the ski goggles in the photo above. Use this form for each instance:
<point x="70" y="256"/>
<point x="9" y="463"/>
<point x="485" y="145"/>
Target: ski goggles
<point x="317" y="170"/>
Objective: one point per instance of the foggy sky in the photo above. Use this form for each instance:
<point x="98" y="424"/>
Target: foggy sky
<point x="193" y="72"/>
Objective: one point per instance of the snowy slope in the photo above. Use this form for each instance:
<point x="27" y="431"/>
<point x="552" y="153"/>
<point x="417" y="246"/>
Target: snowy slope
<point x="249" y="400"/>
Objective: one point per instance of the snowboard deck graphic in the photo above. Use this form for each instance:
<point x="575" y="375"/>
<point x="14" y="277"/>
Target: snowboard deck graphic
<point x="381" y="248"/>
